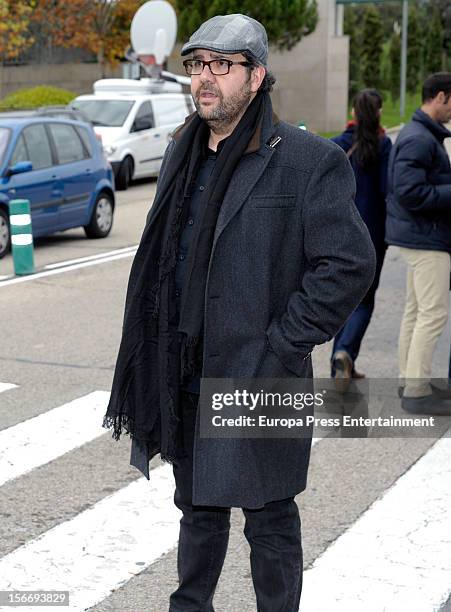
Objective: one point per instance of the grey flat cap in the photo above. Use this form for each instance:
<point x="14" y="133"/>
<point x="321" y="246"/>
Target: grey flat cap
<point x="230" y="34"/>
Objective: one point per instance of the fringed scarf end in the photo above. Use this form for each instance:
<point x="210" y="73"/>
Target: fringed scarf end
<point x="119" y="423"/>
<point x="167" y="459"/>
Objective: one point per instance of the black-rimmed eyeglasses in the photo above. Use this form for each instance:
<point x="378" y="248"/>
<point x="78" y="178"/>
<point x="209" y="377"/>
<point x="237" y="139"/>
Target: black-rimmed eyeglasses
<point x="217" y="67"/>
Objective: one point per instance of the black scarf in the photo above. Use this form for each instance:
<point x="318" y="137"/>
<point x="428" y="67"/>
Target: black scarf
<point x="159" y="349"/>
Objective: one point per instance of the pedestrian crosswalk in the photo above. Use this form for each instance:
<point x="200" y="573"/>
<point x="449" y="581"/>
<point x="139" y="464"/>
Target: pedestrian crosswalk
<point x="37" y="441"/>
<point x="397" y="556"/>
<point x="101" y="548"/>
<point x="394" y="558"/>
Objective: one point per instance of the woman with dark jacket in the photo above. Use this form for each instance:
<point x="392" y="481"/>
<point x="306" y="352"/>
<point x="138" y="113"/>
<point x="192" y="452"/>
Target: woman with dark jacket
<point x="368" y="148"/>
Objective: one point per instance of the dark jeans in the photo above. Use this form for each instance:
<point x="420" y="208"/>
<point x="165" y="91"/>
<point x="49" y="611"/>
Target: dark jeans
<point x="350" y="337"/>
<point x="273" y="533"/>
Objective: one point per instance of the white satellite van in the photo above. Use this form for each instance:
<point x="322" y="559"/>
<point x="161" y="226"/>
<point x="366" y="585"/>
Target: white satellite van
<point x="134" y="119"/>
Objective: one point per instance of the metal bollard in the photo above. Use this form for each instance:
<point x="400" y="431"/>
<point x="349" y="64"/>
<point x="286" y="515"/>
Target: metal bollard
<point x="21" y="236"/>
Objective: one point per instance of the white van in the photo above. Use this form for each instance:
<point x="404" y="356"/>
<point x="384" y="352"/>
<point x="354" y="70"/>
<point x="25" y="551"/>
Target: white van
<point x="134" y="119"/>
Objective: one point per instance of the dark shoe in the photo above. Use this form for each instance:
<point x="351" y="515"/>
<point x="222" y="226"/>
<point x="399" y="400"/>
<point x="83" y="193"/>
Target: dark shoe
<point x="342" y="363"/>
<point x="427" y="404"/>
<point x="437" y="392"/>
<point x="441" y="393"/>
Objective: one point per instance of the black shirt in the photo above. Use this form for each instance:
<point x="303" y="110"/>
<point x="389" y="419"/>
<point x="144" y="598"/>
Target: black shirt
<point x="199" y="186"/>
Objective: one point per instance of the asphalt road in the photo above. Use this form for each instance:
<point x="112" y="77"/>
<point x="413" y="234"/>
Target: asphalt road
<point x="60" y="336"/>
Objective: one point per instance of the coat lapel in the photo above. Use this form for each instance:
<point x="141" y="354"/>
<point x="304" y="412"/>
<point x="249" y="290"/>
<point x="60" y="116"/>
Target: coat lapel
<point x="244" y="178"/>
<point x="258" y="153"/>
<point x="246" y="175"/>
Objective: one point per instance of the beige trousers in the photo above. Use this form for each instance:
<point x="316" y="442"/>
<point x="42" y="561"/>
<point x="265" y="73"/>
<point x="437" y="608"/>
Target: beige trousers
<point x="425" y="316"/>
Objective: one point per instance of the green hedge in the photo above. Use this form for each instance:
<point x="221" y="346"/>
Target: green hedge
<point x="390" y="112"/>
<point x="36" y="97"/>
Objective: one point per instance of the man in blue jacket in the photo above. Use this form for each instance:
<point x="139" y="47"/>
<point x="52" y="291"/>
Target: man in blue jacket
<point x="419" y="223"/>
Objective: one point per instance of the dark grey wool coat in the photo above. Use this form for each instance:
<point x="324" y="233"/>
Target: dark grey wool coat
<point x="290" y="261"/>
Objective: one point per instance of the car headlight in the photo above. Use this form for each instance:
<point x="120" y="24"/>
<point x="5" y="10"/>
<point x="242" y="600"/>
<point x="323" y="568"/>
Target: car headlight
<point x="110" y="149"/>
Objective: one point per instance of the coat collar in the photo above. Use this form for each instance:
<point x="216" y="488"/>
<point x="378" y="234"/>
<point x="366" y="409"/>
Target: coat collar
<point x="261" y="145"/>
<point x="437" y="129"/>
<point x="261" y="135"/>
<point x="252" y="165"/>
<point x="249" y="170"/>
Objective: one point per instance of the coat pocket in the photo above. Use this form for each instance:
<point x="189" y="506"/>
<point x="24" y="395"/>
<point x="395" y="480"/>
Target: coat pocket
<point x="270" y="366"/>
<point x="273" y="201"/>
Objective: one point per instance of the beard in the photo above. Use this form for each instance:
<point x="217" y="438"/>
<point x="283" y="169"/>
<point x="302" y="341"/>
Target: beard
<point x="446" y="117"/>
<point x="227" y="109"/>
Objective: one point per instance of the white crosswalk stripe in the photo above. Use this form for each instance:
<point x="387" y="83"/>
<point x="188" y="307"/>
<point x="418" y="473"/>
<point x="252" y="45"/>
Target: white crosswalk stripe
<point x="6" y="386"/>
<point x="25" y="446"/>
<point x="101" y="548"/>
<point x="397" y="556"/>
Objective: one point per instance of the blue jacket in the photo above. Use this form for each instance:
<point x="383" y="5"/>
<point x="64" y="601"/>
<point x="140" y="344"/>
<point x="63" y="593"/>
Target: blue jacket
<point x="419" y="187"/>
<point x="371" y="187"/>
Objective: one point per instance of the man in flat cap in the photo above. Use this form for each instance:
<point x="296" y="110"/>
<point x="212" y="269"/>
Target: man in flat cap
<point x="252" y="254"/>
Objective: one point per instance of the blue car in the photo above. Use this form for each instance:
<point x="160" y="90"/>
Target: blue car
<point x="59" y="165"/>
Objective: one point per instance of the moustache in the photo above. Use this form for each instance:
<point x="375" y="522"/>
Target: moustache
<point x="206" y="89"/>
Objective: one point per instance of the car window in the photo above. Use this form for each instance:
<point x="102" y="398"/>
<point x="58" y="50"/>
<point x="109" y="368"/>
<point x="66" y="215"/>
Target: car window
<point x="20" y="153"/>
<point x="38" y="146"/>
<point x="83" y="133"/>
<point x="4" y="139"/>
<point x="69" y="147"/>
<point x="145" y="112"/>
<point x="111" y="113"/>
<point x="170" y="110"/>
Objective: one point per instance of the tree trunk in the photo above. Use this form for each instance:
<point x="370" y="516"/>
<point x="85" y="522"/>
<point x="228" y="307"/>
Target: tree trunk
<point x="101" y="61"/>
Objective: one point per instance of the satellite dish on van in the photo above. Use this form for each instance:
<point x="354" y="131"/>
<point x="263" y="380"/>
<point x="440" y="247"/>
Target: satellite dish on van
<point x="153" y="32"/>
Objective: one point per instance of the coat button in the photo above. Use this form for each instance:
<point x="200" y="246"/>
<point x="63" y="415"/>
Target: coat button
<point x="190" y="221"/>
<point x="181" y="257"/>
<point x="201" y="188"/>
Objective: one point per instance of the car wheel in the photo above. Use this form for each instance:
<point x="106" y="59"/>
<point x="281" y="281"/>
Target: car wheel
<point x="125" y="174"/>
<point x="102" y="217"/>
<point x="5" y="233"/>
